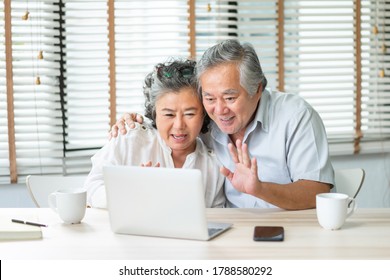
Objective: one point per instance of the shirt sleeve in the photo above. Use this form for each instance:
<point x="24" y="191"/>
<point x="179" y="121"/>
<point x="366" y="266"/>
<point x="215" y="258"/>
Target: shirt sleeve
<point x="307" y="148"/>
<point x="96" y="194"/>
<point x="123" y="150"/>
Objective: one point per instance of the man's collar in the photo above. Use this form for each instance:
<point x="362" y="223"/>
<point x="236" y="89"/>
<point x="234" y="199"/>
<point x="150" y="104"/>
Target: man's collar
<point x="262" y="115"/>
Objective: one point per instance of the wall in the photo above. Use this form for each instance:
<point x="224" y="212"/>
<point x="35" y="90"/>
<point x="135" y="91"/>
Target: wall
<point x="15" y="196"/>
<point x="375" y="191"/>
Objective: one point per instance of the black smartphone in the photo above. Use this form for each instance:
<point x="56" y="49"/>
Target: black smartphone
<point x="268" y="233"/>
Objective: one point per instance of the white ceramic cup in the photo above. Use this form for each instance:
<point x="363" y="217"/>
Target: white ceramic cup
<point x="333" y="209"/>
<point x="70" y="204"/>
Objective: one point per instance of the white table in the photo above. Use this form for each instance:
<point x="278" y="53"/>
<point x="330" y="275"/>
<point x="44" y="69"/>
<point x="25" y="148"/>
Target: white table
<point x="366" y="235"/>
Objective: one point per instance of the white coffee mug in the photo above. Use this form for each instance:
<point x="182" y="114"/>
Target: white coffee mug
<point x="70" y="204"/>
<point x="333" y="209"/>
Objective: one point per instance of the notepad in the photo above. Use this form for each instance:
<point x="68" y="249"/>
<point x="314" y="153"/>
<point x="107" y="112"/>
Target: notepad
<point x="15" y="231"/>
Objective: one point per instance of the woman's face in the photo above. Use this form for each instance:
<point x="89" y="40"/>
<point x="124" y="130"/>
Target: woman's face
<point x="179" y="119"/>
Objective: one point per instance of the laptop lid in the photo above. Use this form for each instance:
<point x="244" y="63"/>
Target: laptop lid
<point x="164" y="202"/>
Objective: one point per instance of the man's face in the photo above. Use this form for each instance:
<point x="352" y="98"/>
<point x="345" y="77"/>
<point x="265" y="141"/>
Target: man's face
<point x="227" y="103"/>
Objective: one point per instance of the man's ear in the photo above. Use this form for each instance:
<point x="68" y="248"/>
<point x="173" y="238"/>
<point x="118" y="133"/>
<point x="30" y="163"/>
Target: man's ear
<point x="259" y="91"/>
<point x="260" y="88"/>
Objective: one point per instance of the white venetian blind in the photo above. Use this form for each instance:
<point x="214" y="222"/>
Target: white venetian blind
<point x="258" y="24"/>
<point x="319" y="61"/>
<point x="4" y="155"/>
<point x="146" y="33"/>
<point x="313" y="48"/>
<point x="215" y="21"/>
<point x="375" y="75"/>
<point x="63" y="121"/>
<point x="309" y="48"/>
<point x="37" y="109"/>
<point x="85" y="81"/>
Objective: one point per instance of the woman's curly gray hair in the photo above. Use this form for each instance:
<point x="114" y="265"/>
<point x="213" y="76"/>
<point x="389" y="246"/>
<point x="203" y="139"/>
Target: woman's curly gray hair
<point x="170" y="77"/>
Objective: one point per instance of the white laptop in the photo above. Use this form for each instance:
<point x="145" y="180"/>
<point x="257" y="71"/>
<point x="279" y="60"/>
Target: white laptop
<point x="164" y="202"/>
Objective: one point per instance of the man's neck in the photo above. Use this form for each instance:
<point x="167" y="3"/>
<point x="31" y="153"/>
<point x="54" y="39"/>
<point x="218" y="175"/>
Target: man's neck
<point x="237" y="136"/>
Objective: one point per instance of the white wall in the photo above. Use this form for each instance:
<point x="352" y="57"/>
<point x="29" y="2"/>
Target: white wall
<point x="375" y="192"/>
<point x="15" y="196"/>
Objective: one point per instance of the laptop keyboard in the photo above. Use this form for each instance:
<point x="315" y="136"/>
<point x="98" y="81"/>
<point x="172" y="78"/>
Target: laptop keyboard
<point x="213" y="230"/>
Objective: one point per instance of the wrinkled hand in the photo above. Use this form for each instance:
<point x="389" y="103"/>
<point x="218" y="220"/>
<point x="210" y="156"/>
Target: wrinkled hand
<point x="244" y="178"/>
<point x="128" y="118"/>
<point x="150" y="164"/>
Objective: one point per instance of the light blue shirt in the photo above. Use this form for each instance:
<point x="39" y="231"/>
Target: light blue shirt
<point x="288" y="138"/>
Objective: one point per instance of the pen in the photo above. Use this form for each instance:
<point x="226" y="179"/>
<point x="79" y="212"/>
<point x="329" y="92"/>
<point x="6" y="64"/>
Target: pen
<point x="28" y="223"/>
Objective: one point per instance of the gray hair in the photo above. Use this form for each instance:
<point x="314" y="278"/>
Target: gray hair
<point x="170" y="77"/>
<point x="244" y="55"/>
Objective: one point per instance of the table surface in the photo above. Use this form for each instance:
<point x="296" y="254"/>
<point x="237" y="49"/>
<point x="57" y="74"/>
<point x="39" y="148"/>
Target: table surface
<point x="365" y="235"/>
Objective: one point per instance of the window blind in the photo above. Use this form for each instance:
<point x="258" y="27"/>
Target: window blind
<point x="258" y="24"/>
<point x="4" y="147"/>
<point x="316" y="57"/>
<point x="146" y="33"/>
<point x="375" y="75"/>
<point x="319" y="61"/>
<point x="37" y="110"/>
<point x="215" y="21"/>
<point x="332" y="53"/>
<point x="85" y="81"/>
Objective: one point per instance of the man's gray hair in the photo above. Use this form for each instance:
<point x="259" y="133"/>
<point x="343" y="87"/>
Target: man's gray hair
<point x="244" y="55"/>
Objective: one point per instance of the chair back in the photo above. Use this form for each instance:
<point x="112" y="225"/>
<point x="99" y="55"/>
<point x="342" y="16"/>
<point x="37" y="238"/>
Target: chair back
<point x="40" y="186"/>
<point x="349" y="181"/>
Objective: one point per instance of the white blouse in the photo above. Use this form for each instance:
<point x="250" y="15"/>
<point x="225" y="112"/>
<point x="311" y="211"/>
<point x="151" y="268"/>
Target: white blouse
<point x="142" y="144"/>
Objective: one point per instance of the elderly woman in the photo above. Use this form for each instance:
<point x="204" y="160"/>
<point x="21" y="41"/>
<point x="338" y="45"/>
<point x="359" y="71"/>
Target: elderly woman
<point x="171" y="140"/>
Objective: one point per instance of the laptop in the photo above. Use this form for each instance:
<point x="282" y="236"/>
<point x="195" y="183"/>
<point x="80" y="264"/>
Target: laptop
<point x="163" y="202"/>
